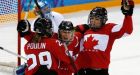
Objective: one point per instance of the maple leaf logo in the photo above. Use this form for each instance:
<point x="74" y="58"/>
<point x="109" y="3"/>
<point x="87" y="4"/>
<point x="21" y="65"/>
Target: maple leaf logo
<point x="90" y="43"/>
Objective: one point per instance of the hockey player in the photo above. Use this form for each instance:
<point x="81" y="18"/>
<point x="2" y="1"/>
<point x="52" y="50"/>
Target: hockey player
<point x="41" y="50"/>
<point x="94" y="58"/>
<point x="56" y="17"/>
<point x="68" y="36"/>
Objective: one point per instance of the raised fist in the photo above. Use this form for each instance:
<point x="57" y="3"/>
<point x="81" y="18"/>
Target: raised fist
<point x="127" y="7"/>
<point x="23" y="26"/>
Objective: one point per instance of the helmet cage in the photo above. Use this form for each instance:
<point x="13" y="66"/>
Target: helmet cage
<point x="65" y="26"/>
<point x="99" y="12"/>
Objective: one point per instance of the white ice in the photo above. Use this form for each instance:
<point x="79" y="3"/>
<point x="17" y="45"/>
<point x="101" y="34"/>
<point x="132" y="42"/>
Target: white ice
<point x="125" y="55"/>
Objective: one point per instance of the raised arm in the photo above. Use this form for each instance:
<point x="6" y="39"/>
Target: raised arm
<point x="24" y="29"/>
<point x="127" y="27"/>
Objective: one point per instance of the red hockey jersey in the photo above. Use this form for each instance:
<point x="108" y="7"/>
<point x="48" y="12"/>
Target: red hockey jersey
<point x="73" y="47"/>
<point x="96" y="45"/>
<point x="46" y="52"/>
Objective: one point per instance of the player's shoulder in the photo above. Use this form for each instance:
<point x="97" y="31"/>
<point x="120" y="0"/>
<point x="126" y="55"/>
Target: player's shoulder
<point x="55" y="35"/>
<point x="52" y="40"/>
<point x="110" y="24"/>
<point x="58" y="18"/>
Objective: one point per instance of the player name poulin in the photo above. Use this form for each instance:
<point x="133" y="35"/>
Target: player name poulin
<point x="36" y="45"/>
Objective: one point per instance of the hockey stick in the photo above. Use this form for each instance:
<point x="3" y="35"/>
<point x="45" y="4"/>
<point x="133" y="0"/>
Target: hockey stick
<point x="36" y="2"/>
<point x="71" y="59"/>
<point x="13" y="53"/>
<point x="9" y="66"/>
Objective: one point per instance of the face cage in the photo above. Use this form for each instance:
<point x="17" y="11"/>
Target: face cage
<point x="103" y="19"/>
<point x="66" y="41"/>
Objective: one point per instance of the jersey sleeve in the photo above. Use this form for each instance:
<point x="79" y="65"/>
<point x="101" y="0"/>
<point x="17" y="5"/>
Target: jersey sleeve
<point x="58" y="17"/>
<point x="29" y="36"/>
<point x="119" y="31"/>
<point x="78" y="37"/>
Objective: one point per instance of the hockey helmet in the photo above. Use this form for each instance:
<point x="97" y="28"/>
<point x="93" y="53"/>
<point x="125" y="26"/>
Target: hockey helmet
<point x="65" y="26"/>
<point x="45" y="6"/>
<point x="43" y="26"/>
<point x="100" y="12"/>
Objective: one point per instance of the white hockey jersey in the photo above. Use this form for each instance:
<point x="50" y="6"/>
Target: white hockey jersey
<point x="56" y="18"/>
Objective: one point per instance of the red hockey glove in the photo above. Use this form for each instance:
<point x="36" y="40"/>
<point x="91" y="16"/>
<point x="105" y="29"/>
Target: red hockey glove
<point x="127" y="7"/>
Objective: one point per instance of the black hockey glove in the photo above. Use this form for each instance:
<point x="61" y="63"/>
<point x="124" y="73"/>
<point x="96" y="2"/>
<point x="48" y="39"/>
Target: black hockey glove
<point x="81" y="28"/>
<point x="127" y="7"/>
<point x="23" y="27"/>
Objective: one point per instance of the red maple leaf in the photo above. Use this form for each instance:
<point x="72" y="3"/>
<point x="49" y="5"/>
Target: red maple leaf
<point x="90" y="43"/>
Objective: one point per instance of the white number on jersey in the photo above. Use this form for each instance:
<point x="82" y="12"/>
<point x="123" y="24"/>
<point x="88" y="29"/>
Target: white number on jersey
<point x="41" y="55"/>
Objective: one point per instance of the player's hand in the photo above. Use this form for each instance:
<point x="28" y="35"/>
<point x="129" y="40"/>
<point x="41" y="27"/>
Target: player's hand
<point x="23" y="26"/>
<point x="81" y="28"/>
<point x="127" y="7"/>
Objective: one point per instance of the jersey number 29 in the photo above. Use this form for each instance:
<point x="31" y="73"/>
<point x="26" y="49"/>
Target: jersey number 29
<point x="41" y="60"/>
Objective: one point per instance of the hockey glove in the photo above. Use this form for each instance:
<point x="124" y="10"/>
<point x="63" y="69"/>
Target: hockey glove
<point x="82" y="28"/>
<point x="127" y="7"/>
<point x="23" y="27"/>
